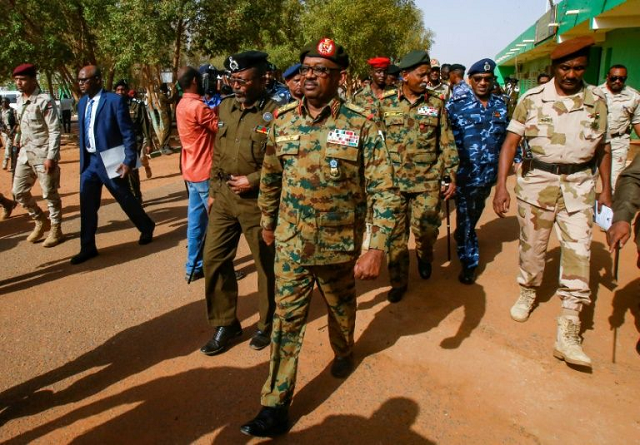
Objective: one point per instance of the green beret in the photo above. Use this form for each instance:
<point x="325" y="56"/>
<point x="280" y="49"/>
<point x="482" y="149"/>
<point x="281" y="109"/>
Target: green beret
<point x="326" y="49"/>
<point x="414" y="58"/>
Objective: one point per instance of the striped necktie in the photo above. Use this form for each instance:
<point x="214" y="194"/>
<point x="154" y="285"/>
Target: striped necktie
<point x="87" y="125"/>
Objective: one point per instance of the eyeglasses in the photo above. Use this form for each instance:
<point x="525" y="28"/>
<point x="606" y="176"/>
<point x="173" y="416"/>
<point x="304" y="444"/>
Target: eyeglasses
<point x="240" y="81"/>
<point x="83" y="80"/>
<point x="622" y="79"/>
<point x="480" y="79"/>
<point x="318" y="71"/>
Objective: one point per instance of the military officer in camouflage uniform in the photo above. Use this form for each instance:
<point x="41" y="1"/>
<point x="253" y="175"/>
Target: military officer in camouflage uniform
<point x="141" y="129"/>
<point x="7" y="131"/>
<point x="436" y="85"/>
<point x="39" y="141"/>
<point x="235" y="177"/>
<point x="369" y="97"/>
<point x="624" y="112"/>
<point x="423" y="153"/>
<point x="324" y="161"/>
<point x="479" y="123"/>
<point x="564" y="124"/>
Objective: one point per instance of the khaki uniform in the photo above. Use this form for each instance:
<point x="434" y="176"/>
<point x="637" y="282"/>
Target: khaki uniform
<point x="560" y="130"/>
<point x="626" y="202"/>
<point x="318" y="177"/>
<point x="423" y="152"/>
<point x="624" y="111"/>
<point x="39" y="140"/>
<point x="239" y="151"/>
<point x="7" y="116"/>
<point x="441" y="91"/>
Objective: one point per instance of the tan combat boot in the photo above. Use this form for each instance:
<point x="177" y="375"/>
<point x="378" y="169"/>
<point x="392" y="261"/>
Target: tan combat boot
<point x="522" y="308"/>
<point x="55" y="236"/>
<point x="568" y="344"/>
<point x="38" y="230"/>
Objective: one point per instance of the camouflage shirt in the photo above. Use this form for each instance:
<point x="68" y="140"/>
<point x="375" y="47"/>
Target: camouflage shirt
<point x="367" y="99"/>
<point x="419" y="140"/>
<point x="316" y="178"/>
<point x="479" y="132"/>
<point x="441" y="90"/>
<point x="560" y="130"/>
<point x="140" y="122"/>
<point x="39" y="128"/>
<point x="623" y="108"/>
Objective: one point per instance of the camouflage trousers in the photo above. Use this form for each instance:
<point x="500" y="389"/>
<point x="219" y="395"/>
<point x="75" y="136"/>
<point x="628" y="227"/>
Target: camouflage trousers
<point x="25" y="176"/>
<point x="619" y="153"/>
<point x="574" y="233"/>
<point x="421" y="212"/>
<point x="294" y="287"/>
<point x="470" y="203"/>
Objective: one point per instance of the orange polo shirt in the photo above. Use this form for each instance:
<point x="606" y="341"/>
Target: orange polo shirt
<point x="197" y="127"/>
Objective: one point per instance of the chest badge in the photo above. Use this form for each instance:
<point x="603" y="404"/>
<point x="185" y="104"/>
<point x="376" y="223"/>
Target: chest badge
<point x="261" y="129"/>
<point x="428" y="111"/>
<point x="343" y="137"/>
<point x="268" y="117"/>
<point x="334" y="169"/>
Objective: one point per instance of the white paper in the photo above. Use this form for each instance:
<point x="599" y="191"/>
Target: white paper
<point x="604" y="216"/>
<point x="112" y="158"/>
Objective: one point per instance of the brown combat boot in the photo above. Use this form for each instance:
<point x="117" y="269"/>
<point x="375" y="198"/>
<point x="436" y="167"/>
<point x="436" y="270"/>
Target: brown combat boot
<point x="7" y="207"/>
<point x="55" y="236"/>
<point x="38" y="230"/>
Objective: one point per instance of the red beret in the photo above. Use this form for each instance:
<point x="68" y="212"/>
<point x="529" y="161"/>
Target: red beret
<point x="379" y="62"/>
<point x="26" y="69"/>
<point x="571" y="47"/>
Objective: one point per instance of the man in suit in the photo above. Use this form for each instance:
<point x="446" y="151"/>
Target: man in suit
<point x="104" y="123"/>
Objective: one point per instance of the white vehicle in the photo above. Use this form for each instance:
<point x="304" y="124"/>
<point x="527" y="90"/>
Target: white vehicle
<point x="12" y="95"/>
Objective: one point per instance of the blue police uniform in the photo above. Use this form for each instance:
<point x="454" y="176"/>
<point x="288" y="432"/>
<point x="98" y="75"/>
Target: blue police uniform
<point x="461" y="88"/>
<point x="479" y="133"/>
<point x="279" y="93"/>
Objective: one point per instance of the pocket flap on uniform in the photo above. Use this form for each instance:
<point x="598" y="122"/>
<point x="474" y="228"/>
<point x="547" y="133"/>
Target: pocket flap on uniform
<point x="424" y="158"/>
<point x="427" y="120"/>
<point x="341" y="152"/>
<point x="336" y="219"/>
<point x="395" y="157"/>
<point x="393" y="119"/>
<point x="287" y="144"/>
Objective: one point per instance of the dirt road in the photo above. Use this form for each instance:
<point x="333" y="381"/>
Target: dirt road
<point x="107" y="351"/>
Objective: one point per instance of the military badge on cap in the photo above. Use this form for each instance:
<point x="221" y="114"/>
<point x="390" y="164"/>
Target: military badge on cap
<point x="233" y="64"/>
<point x="487" y="66"/>
<point x="326" y="47"/>
<point x="483" y="66"/>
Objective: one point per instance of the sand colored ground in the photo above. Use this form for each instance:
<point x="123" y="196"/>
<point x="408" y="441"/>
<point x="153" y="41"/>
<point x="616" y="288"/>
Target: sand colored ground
<point x="107" y="351"/>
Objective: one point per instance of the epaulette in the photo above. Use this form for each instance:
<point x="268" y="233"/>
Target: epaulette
<point x="390" y="93"/>
<point x="353" y="107"/>
<point x="596" y="91"/>
<point x="283" y="109"/>
<point x="532" y="91"/>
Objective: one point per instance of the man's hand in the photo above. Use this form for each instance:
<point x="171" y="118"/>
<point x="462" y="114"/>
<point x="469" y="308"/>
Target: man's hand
<point x="49" y="166"/>
<point x="448" y="191"/>
<point x="209" y="202"/>
<point x="618" y="234"/>
<point x="124" y="170"/>
<point x="368" y="265"/>
<point x="605" y="198"/>
<point x="239" y="184"/>
<point x="501" y="201"/>
<point x="268" y="237"/>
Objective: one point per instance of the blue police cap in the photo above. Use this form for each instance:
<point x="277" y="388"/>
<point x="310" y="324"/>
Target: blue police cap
<point x="484" y="66"/>
<point x="291" y="71"/>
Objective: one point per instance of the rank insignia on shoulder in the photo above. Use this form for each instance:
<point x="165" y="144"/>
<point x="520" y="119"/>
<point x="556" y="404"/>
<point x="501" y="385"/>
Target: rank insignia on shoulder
<point x="354" y="107"/>
<point x="286" y="108"/>
<point x="428" y="111"/>
<point x="261" y="129"/>
<point x="343" y="137"/>
<point x="390" y="93"/>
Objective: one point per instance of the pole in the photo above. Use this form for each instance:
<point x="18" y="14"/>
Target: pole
<point x="448" y="232"/>
<point x="616" y="265"/>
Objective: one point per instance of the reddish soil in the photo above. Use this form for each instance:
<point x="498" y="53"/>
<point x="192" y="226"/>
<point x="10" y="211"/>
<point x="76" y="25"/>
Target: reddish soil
<point x="107" y="351"/>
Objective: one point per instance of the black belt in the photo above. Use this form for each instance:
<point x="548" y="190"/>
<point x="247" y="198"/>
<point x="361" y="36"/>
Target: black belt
<point x="622" y="133"/>
<point x="561" y="169"/>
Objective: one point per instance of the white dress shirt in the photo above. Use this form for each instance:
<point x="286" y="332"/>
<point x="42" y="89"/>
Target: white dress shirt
<point x="94" y="108"/>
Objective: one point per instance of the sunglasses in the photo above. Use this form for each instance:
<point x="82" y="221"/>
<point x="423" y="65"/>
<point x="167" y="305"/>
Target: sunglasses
<point x="239" y="81"/>
<point x="622" y="79"/>
<point x="479" y="79"/>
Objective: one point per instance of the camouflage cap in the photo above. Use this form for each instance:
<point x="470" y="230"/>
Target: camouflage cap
<point x="326" y="49"/>
<point x="414" y="58"/>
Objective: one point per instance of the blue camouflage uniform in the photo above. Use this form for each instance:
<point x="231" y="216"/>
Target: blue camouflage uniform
<point x="462" y="88"/>
<point x="479" y="133"/>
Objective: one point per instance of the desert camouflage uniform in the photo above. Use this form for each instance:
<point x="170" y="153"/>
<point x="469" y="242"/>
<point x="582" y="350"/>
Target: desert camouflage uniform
<point x="422" y="151"/>
<point x="442" y="90"/>
<point x="314" y="193"/>
<point x="39" y="140"/>
<point x="624" y="110"/>
<point x="560" y="130"/>
<point x="626" y="202"/>
<point x="7" y="124"/>
<point x="479" y="132"/>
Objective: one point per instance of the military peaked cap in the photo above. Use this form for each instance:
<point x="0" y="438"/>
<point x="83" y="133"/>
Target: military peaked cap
<point x="573" y="48"/>
<point x="245" y="60"/>
<point x="414" y="58"/>
<point x="326" y="49"/>
<point x="485" y="66"/>
<point x="26" y="69"/>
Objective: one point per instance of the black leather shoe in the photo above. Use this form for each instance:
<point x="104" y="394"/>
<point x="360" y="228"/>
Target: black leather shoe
<point x="269" y="422"/>
<point x="424" y="269"/>
<point x="260" y="340"/>
<point x="342" y="367"/>
<point x="145" y="238"/>
<point x="221" y="338"/>
<point x="83" y="256"/>
<point x="467" y="275"/>
<point x="396" y="294"/>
